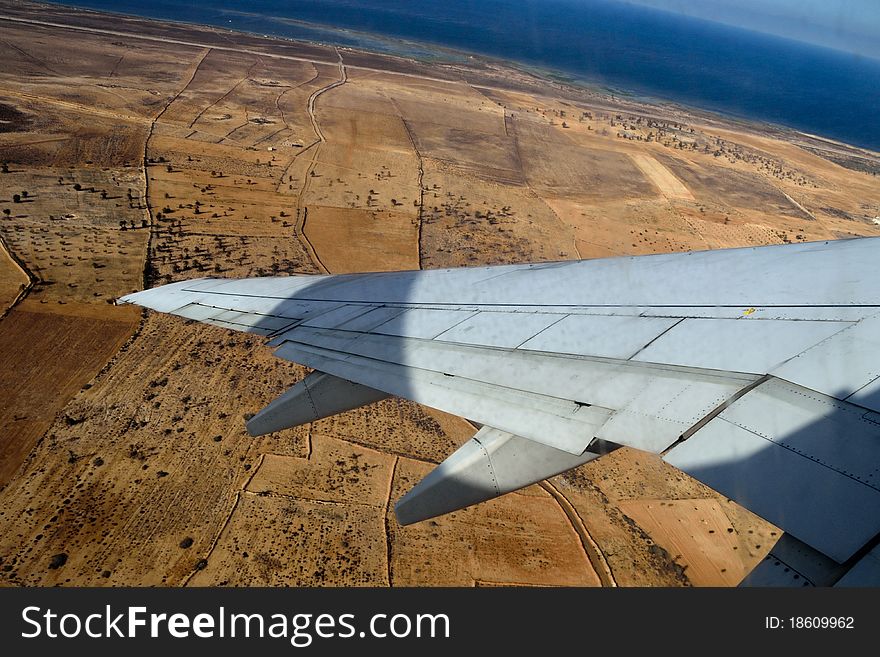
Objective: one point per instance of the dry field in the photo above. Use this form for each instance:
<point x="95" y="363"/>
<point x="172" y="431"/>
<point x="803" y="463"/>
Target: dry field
<point x="64" y="350"/>
<point x="162" y="153"/>
<point x="339" y="236"/>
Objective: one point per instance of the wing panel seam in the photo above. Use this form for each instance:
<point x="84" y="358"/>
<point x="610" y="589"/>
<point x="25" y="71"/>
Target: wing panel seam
<point x="718" y="410"/>
<point x="802" y="454"/>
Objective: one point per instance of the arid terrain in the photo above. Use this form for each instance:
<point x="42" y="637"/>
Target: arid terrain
<point x="144" y="153"/>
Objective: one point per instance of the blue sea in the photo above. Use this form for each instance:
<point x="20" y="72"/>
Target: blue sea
<point x="623" y="47"/>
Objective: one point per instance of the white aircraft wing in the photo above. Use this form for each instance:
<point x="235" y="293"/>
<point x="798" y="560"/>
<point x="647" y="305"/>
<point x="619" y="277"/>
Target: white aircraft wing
<point x="755" y="370"/>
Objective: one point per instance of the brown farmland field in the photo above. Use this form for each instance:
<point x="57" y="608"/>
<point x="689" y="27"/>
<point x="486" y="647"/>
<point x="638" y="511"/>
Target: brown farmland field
<point x="64" y="352"/>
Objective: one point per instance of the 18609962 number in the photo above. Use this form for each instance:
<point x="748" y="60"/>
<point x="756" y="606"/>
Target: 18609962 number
<point x="821" y="622"/>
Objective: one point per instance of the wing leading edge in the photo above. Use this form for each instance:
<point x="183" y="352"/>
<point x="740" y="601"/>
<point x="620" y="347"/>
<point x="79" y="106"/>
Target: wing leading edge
<point x="755" y="370"/>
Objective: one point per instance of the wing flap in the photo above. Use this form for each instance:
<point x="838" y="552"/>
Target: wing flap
<point x="806" y="462"/>
<point x="558" y="423"/>
<point x="667" y="399"/>
<point x="607" y="382"/>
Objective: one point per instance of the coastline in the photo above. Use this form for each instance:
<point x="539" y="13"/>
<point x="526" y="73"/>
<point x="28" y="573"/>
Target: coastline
<point x="446" y="65"/>
<point x="469" y="65"/>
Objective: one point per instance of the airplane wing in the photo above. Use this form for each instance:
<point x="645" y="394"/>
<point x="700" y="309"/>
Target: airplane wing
<point x="755" y="370"/>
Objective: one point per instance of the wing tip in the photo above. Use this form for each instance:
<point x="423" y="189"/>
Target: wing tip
<point x="161" y="298"/>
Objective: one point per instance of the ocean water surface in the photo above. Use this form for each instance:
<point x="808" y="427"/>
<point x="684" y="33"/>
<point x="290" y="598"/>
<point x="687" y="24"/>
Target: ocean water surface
<point x="624" y="47"/>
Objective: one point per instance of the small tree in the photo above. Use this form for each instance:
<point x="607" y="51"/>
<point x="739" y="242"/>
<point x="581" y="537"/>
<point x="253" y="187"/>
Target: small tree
<point x="122" y="225"/>
<point x="77" y="186"/>
<point x="7" y="211"/>
<point x="16" y="198"/>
